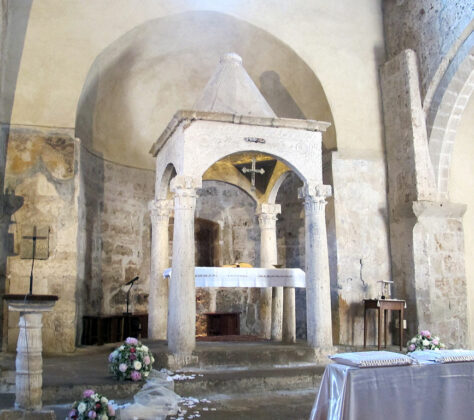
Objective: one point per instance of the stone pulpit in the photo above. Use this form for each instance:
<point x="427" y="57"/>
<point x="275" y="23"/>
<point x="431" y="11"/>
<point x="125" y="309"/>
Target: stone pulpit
<point x="29" y="359"/>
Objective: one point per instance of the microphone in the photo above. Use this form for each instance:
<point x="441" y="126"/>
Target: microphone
<point x="132" y="281"/>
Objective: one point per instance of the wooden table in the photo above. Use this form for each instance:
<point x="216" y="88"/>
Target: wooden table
<point x="383" y="306"/>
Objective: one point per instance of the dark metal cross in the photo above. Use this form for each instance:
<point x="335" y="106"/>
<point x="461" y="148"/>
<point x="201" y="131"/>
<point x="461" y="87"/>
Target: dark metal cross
<point x="34" y="237"/>
<point x="253" y="170"/>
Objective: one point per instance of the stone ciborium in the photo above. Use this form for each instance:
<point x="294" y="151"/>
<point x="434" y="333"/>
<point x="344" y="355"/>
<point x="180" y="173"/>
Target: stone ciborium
<point x="29" y="359"/>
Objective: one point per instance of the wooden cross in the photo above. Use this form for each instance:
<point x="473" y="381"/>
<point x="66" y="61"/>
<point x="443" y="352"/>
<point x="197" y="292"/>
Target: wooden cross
<point x="253" y="170"/>
<point x="34" y="237"/>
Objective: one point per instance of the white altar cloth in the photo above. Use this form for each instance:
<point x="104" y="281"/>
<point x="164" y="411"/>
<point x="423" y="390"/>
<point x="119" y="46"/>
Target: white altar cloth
<point x="246" y="277"/>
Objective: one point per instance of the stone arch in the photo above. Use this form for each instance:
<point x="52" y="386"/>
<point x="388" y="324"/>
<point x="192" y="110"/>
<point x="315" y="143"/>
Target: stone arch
<point x="173" y="57"/>
<point x="442" y="131"/>
<point x="162" y="189"/>
<point x="276" y="186"/>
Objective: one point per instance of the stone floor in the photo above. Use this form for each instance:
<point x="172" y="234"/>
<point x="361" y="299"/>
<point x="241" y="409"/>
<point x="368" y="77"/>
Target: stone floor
<point x="258" y="381"/>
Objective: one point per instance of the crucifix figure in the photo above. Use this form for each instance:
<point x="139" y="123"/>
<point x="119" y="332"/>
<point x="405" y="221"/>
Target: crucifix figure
<point x="253" y="170"/>
<point x="34" y="237"/>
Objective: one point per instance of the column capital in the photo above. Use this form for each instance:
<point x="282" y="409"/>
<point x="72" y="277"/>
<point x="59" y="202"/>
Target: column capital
<point x="184" y="185"/>
<point x="267" y="215"/>
<point x="267" y="208"/>
<point x="315" y="190"/>
<point x="160" y="209"/>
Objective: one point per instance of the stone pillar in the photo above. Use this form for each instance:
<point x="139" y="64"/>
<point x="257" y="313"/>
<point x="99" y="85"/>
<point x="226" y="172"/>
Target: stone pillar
<point x="289" y="315"/>
<point x="271" y="301"/>
<point x="160" y="211"/>
<point x="318" y="295"/>
<point x="182" y="290"/>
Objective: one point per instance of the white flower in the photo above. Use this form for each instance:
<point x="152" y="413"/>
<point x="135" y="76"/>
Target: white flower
<point x="104" y="400"/>
<point x="121" y="347"/>
<point x="145" y="348"/>
<point x="426" y="343"/>
<point x="81" y="407"/>
<point x="137" y="365"/>
<point x="413" y="340"/>
<point x="145" y="374"/>
<point x="96" y="398"/>
<point x="104" y="417"/>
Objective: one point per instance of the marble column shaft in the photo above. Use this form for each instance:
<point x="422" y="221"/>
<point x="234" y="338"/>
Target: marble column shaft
<point x="182" y="290"/>
<point x="289" y="315"/>
<point x="160" y="211"/>
<point x="272" y="318"/>
<point x="318" y="296"/>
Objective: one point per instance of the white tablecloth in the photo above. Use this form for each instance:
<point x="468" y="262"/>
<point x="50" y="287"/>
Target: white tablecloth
<point x="433" y="392"/>
<point x="246" y="277"/>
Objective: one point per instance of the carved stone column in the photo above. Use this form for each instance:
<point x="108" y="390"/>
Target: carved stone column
<point x="160" y="211"/>
<point x="318" y="295"/>
<point x="182" y="290"/>
<point x="271" y="301"/>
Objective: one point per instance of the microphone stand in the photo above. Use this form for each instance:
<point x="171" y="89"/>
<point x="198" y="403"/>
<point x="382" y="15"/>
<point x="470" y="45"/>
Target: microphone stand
<point x="128" y="315"/>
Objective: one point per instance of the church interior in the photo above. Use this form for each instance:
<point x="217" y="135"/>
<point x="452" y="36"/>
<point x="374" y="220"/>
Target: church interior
<point x="237" y="174"/>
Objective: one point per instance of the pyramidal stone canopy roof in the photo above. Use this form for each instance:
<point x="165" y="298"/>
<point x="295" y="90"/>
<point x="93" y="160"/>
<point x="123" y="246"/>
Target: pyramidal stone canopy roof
<point x="231" y="90"/>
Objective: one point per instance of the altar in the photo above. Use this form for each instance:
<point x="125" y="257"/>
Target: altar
<point x="246" y="277"/>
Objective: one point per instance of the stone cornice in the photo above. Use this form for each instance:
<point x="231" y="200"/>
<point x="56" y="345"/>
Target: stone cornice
<point x="438" y="209"/>
<point x="189" y="116"/>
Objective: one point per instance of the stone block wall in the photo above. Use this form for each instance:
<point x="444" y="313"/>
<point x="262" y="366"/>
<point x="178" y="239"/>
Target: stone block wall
<point x="440" y="279"/>
<point x="115" y="235"/>
<point x="361" y="252"/>
<point x="42" y="171"/>
<point x="429" y="27"/>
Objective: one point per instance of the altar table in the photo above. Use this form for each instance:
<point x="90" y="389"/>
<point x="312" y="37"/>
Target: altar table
<point x="246" y="277"/>
<point x="431" y="391"/>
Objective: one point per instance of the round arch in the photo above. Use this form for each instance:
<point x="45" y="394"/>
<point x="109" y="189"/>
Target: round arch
<point x="116" y="106"/>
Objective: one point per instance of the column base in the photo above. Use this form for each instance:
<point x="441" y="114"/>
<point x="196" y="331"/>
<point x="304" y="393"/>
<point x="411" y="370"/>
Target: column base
<point x="17" y="414"/>
<point x="176" y="361"/>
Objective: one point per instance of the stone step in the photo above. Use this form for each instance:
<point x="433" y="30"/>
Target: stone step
<point x="247" y="355"/>
<point x="201" y="383"/>
<point x="255" y="380"/>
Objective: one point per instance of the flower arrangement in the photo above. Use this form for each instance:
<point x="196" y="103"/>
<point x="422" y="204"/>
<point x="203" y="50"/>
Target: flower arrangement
<point x="92" y="406"/>
<point x="424" y="341"/>
<point x="132" y="360"/>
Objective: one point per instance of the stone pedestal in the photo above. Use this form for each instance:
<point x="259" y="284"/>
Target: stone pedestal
<point x="271" y="302"/>
<point x="29" y="360"/>
<point x="318" y="293"/>
<point x="160" y="211"/>
<point x="182" y="289"/>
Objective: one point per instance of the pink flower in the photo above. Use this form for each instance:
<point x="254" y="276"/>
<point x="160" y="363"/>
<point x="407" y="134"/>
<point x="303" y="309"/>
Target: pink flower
<point x="88" y="393"/>
<point x="136" y="376"/>
<point x="122" y="367"/>
<point x="425" y="333"/>
<point x="111" y="410"/>
<point x="411" y="347"/>
<point x="435" y="342"/>
<point x="132" y="341"/>
<point x="92" y="414"/>
<point x="146" y="360"/>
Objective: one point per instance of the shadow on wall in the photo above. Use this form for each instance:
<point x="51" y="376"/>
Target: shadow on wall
<point x="14" y="20"/>
<point x="278" y="96"/>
